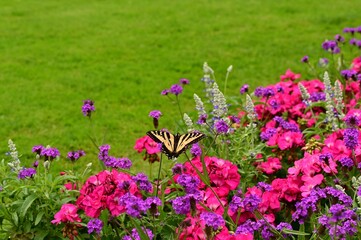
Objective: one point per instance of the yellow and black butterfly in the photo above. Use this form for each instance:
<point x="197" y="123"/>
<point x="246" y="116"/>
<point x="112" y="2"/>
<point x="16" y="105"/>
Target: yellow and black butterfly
<point x="174" y="145"/>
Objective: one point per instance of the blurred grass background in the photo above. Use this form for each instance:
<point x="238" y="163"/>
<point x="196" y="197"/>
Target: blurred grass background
<point x="122" y="54"/>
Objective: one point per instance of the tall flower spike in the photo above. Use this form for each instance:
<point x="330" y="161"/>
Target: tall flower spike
<point x="330" y="114"/>
<point x="219" y="102"/>
<point x="15" y="163"/>
<point x="339" y="98"/>
<point x="207" y="80"/>
<point x="250" y="109"/>
<point x="304" y="93"/>
<point x="188" y="121"/>
<point x="199" y="105"/>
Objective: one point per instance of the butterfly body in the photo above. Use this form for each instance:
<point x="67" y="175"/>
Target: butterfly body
<point x="174" y="145"/>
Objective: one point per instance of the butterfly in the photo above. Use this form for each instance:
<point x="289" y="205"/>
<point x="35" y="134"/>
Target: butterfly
<point x="174" y="145"/>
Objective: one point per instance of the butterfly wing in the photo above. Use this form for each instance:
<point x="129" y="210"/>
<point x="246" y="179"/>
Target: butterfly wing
<point x="184" y="140"/>
<point x="166" y="139"/>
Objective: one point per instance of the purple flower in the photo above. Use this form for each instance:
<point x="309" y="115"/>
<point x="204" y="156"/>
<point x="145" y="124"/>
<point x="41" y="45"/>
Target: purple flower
<point x="134" y="206"/>
<point x="37" y="149"/>
<point x="189" y="182"/>
<point x="264" y="186"/>
<point x="113" y="162"/>
<point x="50" y="153"/>
<point x="317" y="96"/>
<point x="184" y="81"/>
<point x="268" y="92"/>
<point x="353" y="41"/>
<point x="350" y="138"/>
<point x="176" y="89"/>
<point x="165" y="92"/>
<point x="325" y="157"/>
<point x="248" y="226"/>
<point x="305" y="59"/>
<point x="87" y="108"/>
<point x="352" y="120"/>
<point x="236" y="203"/>
<point x="359" y="191"/>
<point x="331" y="46"/>
<point x="75" y="155"/>
<point x="251" y="202"/>
<point x="202" y="119"/>
<point x="323" y="62"/>
<point x="339" y="38"/>
<point x="142" y="181"/>
<point x="244" y="89"/>
<point x="221" y="126"/>
<point x="155" y="114"/>
<point x="103" y="152"/>
<point x="349" y="74"/>
<point x="181" y="205"/>
<point x="258" y="92"/>
<point x="212" y="220"/>
<point x="346" y="162"/>
<point x="196" y="150"/>
<point x="26" y="173"/>
<point x="95" y="225"/>
<point x="135" y="234"/>
<point x="178" y="169"/>
<point x="274" y="104"/>
<point x="266" y="135"/>
<point x="349" y="30"/>
<point x="36" y="164"/>
<point x="284" y="225"/>
<point x="152" y="204"/>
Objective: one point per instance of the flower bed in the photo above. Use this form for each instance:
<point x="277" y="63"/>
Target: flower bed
<point x="286" y="165"/>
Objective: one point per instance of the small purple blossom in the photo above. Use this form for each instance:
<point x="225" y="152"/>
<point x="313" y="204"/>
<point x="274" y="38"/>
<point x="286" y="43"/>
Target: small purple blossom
<point x="37" y="149"/>
<point x="184" y="81"/>
<point x="221" y="126"/>
<point x="75" y="155"/>
<point x="87" y="108"/>
<point x="349" y="30"/>
<point x="258" y="92"/>
<point x="331" y="46"/>
<point x="189" y="182"/>
<point x="95" y="225"/>
<point x="104" y="152"/>
<point x="350" y="138"/>
<point x="266" y="135"/>
<point x="202" y="119"/>
<point x="264" y="186"/>
<point x="113" y="162"/>
<point x="268" y="92"/>
<point x="134" y="206"/>
<point x="212" y="220"/>
<point x="176" y="89"/>
<point x="244" y="89"/>
<point x="283" y="225"/>
<point x="181" y="205"/>
<point x="165" y="92"/>
<point x="196" y="150"/>
<point x="346" y="162"/>
<point x="26" y="173"/>
<point x="349" y="74"/>
<point x="178" y="169"/>
<point x="305" y="59"/>
<point x="142" y="181"/>
<point x="50" y="153"/>
<point x="135" y="235"/>
<point x="339" y="38"/>
<point x="36" y="164"/>
<point x="317" y="96"/>
<point x="155" y="114"/>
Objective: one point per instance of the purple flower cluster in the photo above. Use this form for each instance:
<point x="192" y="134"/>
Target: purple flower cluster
<point x="196" y="150"/>
<point x="244" y="89"/>
<point x="184" y="204"/>
<point x="48" y="152"/>
<point x="221" y="126"/>
<point x="250" y="226"/>
<point x="212" y="220"/>
<point x="95" y="225"/>
<point x="309" y="203"/>
<point x="349" y="74"/>
<point x="341" y="223"/>
<point x="178" y="169"/>
<point x="184" y="81"/>
<point x="113" y="162"/>
<point x="352" y="30"/>
<point x="305" y="59"/>
<point x="202" y="119"/>
<point x="134" y="206"/>
<point x="75" y="155"/>
<point x="331" y="46"/>
<point x="135" y="235"/>
<point x="286" y="125"/>
<point x="249" y="203"/>
<point x="266" y="135"/>
<point x="176" y="89"/>
<point x="155" y="114"/>
<point x="189" y="182"/>
<point x="352" y="120"/>
<point x="350" y="138"/>
<point x="264" y="92"/>
<point x="142" y="181"/>
<point x="264" y="186"/>
<point x="87" y="108"/>
<point x="346" y="162"/>
<point x="317" y="96"/>
<point x="26" y="173"/>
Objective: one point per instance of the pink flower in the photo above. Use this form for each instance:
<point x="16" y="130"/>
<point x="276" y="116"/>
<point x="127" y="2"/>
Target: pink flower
<point x="67" y="213"/>
<point x="289" y="75"/>
<point x="289" y="140"/>
<point x="310" y="183"/>
<point x="272" y="165"/>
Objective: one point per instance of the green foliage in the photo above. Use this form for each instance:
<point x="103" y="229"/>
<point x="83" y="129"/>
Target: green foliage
<point x="28" y="205"/>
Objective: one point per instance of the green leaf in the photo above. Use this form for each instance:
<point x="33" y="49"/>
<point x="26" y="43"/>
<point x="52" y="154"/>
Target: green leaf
<point x="294" y="232"/>
<point x="40" y="235"/>
<point x="15" y="218"/>
<point x="27" y="203"/>
<point x="66" y="200"/>
<point x="38" y="218"/>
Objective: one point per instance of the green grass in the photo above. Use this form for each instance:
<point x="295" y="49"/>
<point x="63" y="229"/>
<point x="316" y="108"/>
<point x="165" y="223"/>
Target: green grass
<point x="121" y="54"/>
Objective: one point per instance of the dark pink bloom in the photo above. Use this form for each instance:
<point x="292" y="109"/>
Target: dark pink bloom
<point x="67" y="213"/>
<point x="289" y="75"/>
<point x="271" y="165"/>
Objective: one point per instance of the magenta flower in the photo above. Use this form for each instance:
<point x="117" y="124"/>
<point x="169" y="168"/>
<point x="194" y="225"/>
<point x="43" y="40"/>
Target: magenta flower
<point x="75" y="155"/>
<point x="184" y="81"/>
<point x="67" y="213"/>
<point x="176" y="89"/>
<point x="88" y="107"/>
<point x="50" y="153"/>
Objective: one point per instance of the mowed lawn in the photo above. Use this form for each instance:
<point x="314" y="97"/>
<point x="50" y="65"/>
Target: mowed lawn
<point x="121" y="54"/>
